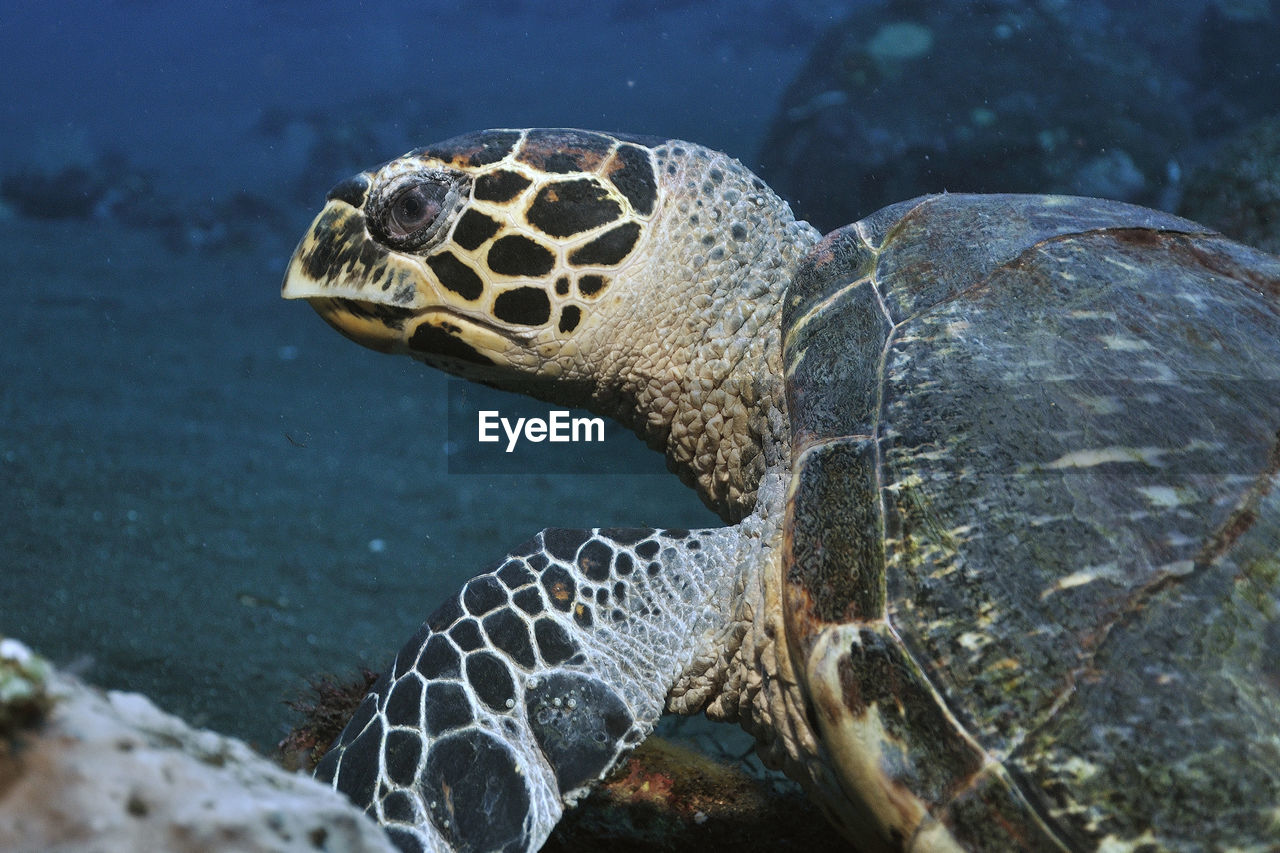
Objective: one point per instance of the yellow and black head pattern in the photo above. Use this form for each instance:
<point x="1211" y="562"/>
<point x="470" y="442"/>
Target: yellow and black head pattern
<point x="477" y="251"/>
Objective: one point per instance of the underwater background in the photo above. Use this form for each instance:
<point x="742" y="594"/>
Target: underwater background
<point x="208" y="496"/>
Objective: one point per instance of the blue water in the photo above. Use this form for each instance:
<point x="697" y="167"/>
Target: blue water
<point x="181" y="87"/>
<point x="207" y="495"/>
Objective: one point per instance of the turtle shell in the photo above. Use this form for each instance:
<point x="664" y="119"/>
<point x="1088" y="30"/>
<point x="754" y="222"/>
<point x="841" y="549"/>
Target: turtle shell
<point x="1032" y="545"/>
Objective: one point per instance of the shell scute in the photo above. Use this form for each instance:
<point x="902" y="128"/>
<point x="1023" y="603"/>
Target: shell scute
<point x="838" y="570"/>
<point x="834" y="332"/>
<point x="941" y="245"/>
<point x="839" y="259"/>
<point x="993" y="813"/>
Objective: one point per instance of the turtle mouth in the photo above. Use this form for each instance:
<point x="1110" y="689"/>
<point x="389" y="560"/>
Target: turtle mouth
<point x="437" y="335"/>
<point x="382" y="299"/>
<point x="339" y="259"/>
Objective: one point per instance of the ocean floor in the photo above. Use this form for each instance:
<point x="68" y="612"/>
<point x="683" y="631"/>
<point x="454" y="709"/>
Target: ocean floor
<point x="208" y="496"/>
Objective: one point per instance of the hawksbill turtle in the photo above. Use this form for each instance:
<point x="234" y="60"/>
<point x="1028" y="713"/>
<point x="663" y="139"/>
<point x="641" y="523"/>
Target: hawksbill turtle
<point x="1001" y="563"/>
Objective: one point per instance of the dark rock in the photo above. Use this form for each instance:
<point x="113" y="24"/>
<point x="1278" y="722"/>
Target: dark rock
<point x="975" y="97"/>
<point x="110" y="188"/>
<point x="668" y="798"/>
<point x="1238" y="191"/>
<point x="73" y="192"/>
<point x="1239" y="74"/>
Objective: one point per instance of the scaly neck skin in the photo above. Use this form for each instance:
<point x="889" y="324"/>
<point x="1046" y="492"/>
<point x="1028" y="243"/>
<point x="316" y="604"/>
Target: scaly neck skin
<point x="692" y="361"/>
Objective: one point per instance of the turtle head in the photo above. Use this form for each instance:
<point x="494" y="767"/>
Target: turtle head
<point x="638" y="278"/>
<point x="485" y="255"/>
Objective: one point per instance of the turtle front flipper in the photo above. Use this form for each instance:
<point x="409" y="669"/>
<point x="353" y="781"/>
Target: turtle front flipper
<point x="525" y="688"/>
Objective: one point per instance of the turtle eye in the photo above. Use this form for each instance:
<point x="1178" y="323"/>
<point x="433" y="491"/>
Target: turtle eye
<point x="414" y="208"/>
<point x="412" y="212"/>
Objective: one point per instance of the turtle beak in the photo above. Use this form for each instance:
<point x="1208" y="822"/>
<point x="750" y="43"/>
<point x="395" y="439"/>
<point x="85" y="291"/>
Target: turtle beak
<point x="380" y="298"/>
<point x="360" y="287"/>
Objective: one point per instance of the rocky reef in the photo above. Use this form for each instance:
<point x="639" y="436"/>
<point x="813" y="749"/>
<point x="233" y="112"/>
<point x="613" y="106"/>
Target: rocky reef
<point x="83" y="769"/>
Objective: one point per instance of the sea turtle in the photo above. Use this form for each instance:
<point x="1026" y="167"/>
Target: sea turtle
<point x="1002" y="563"/>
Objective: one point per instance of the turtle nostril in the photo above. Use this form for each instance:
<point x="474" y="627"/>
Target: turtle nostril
<point x="353" y="190"/>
